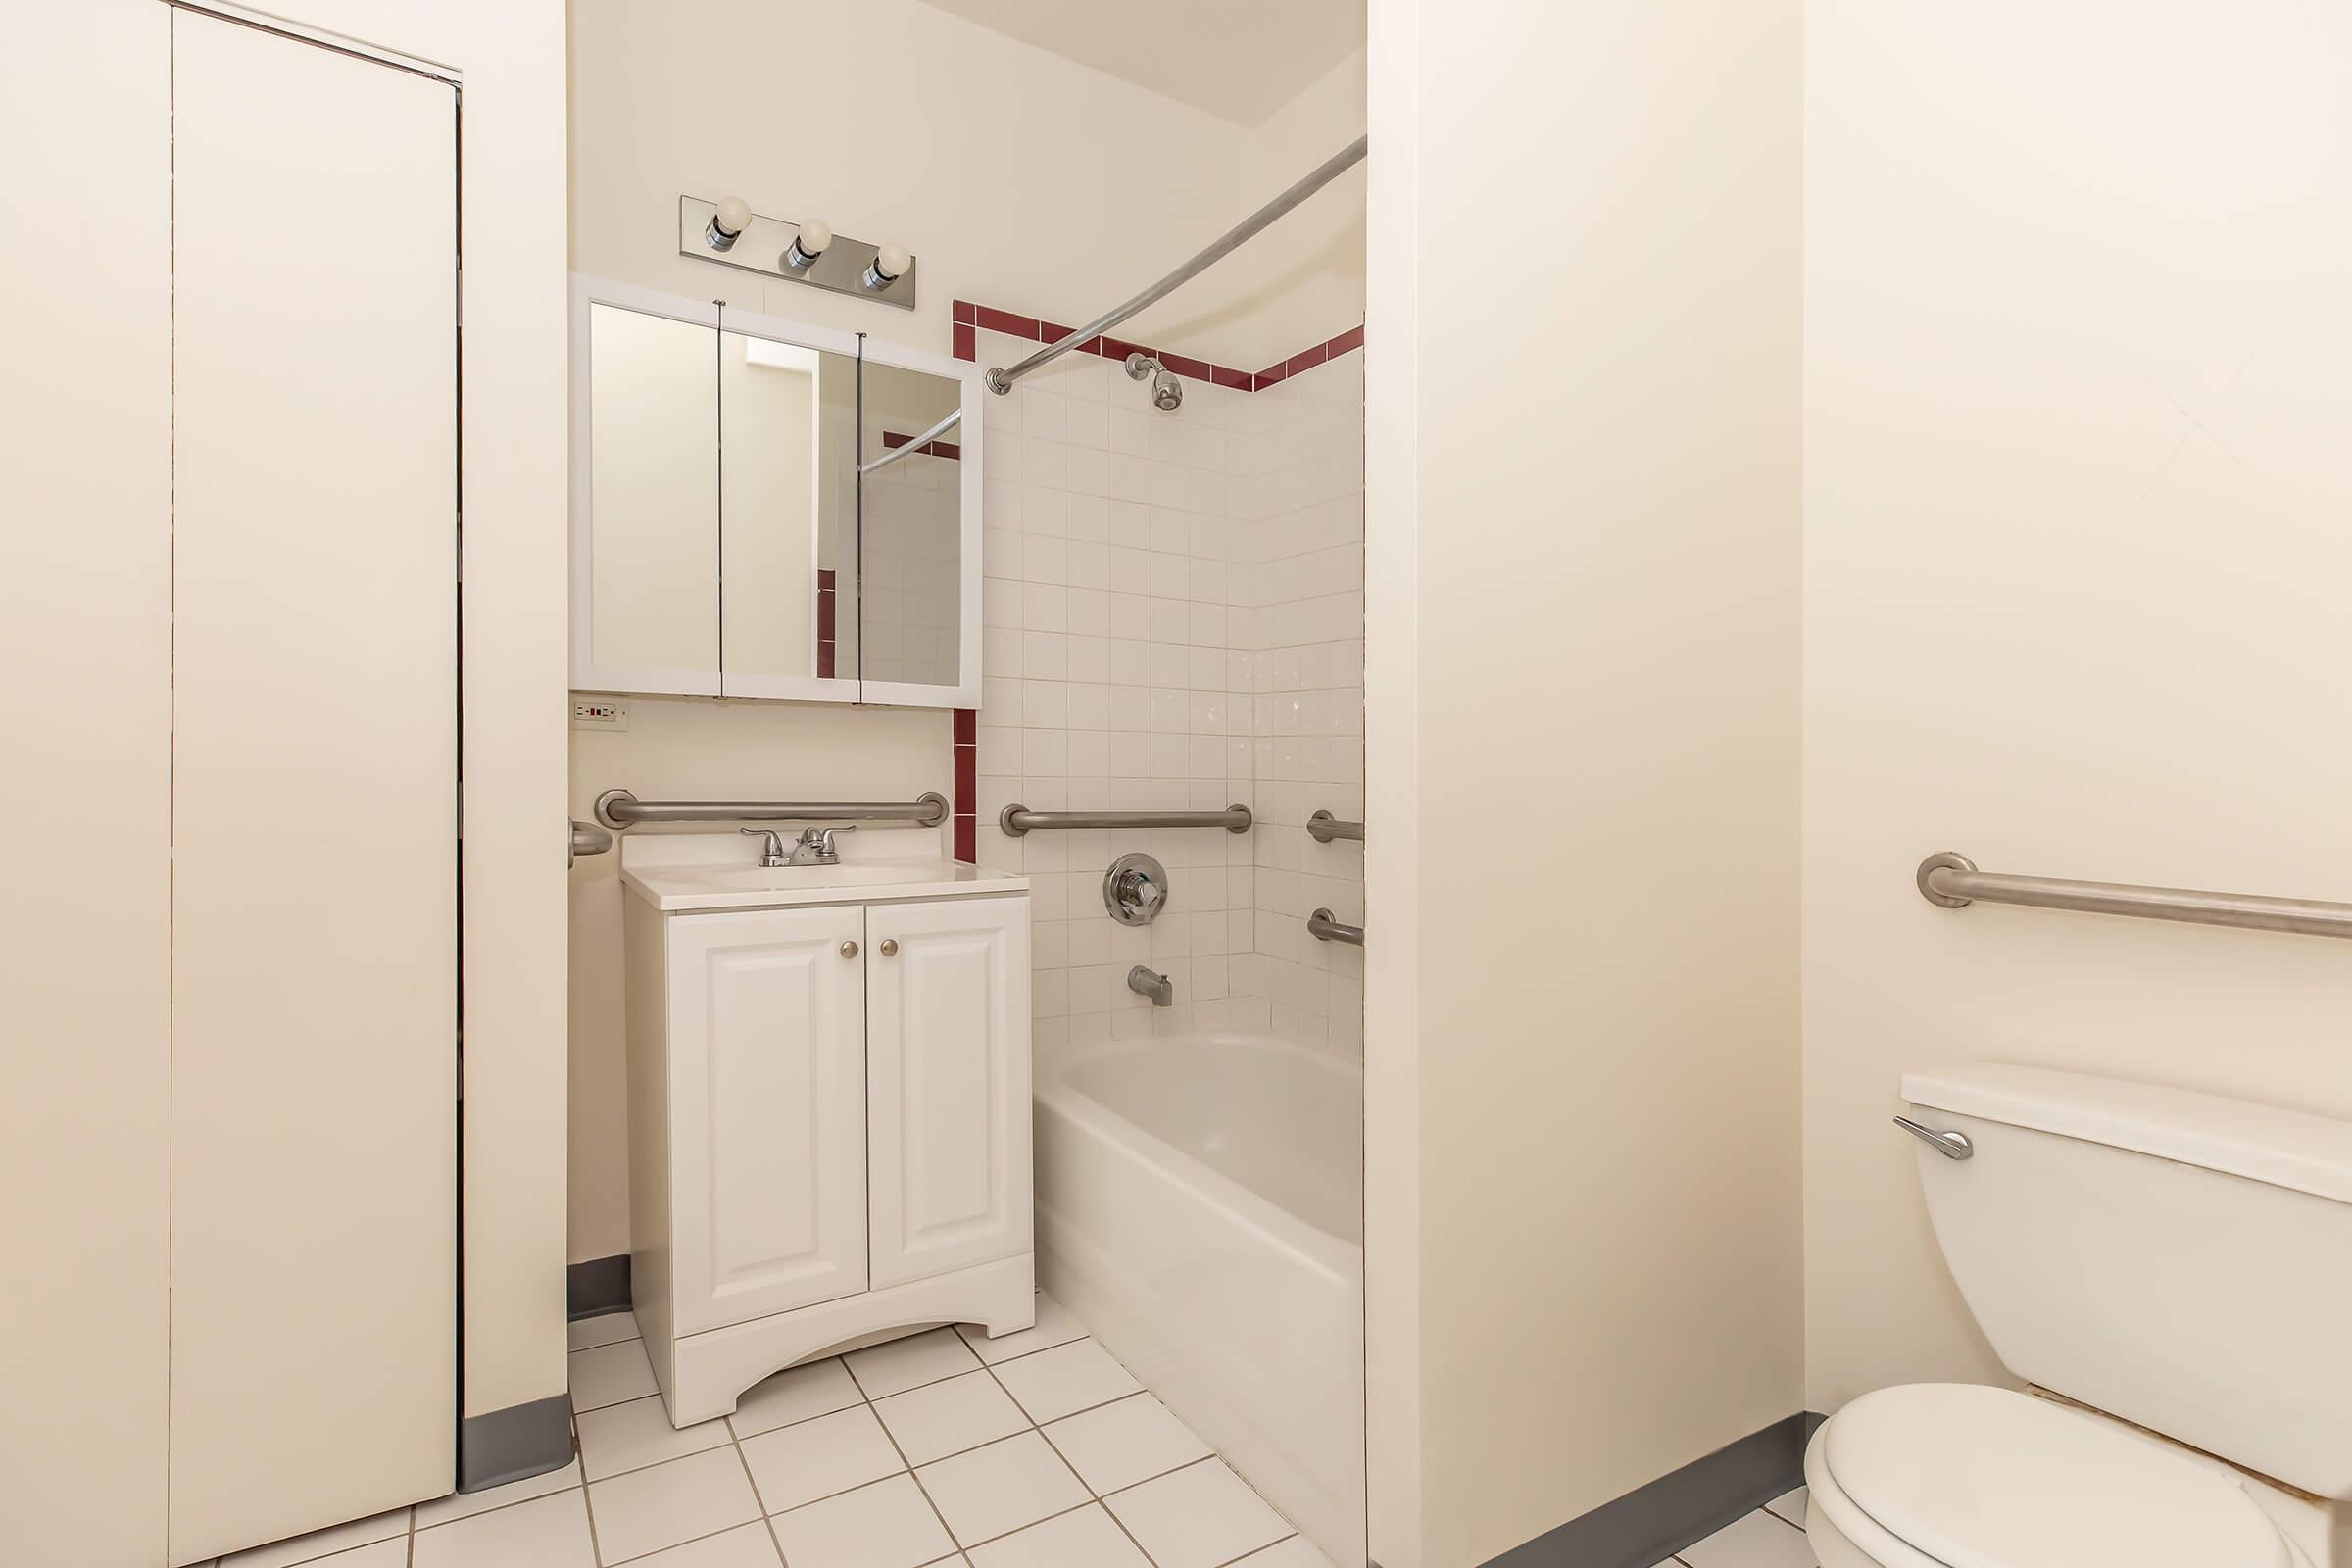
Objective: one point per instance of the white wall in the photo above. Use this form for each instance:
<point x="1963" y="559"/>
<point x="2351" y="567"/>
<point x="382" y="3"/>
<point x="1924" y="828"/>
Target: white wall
<point x="1019" y="178"/>
<point x="1582" y="698"/>
<point x="2077" y="476"/>
<point x="1056" y="189"/>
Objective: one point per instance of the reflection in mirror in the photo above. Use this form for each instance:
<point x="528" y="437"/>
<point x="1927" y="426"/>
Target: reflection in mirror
<point x="654" y="475"/>
<point x="911" y="530"/>
<point x="788" y="496"/>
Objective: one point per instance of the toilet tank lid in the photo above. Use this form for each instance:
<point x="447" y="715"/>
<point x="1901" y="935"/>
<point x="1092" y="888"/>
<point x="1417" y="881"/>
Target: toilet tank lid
<point x="2289" y="1149"/>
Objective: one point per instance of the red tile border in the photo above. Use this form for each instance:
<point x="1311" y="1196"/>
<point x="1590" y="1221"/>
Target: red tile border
<point x="936" y="448"/>
<point x="995" y="320"/>
<point x="827" y="624"/>
<point x="969" y="317"/>
<point x="966" y="752"/>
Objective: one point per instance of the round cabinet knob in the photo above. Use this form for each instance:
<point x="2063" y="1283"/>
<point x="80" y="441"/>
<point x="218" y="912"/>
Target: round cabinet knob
<point x="849" y="950"/>
<point x="890" y="947"/>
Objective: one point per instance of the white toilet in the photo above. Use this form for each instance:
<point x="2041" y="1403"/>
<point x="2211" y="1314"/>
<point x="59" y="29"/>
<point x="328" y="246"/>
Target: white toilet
<point x="2179" y="1264"/>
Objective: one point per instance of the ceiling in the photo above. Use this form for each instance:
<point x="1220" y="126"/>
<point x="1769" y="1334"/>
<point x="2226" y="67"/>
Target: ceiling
<point x="1238" y="59"/>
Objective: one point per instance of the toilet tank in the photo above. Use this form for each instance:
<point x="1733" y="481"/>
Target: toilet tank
<point x="2179" y="1259"/>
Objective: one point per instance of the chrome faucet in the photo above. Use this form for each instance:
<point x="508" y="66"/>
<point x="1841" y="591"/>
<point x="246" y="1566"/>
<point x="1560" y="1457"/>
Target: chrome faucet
<point x="771" y="855"/>
<point x="815" y="848"/>
<point x="1151" y="983"/>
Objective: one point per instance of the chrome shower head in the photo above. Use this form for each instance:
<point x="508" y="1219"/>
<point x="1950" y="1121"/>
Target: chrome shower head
<point x="1167" y="393"/>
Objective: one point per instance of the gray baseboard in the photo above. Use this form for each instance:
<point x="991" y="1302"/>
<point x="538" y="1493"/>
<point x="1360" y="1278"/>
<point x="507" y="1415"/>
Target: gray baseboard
<point x="596" y="1287"/>
<point x="523" y="1440"/>
<point x="1652" y="1523"/>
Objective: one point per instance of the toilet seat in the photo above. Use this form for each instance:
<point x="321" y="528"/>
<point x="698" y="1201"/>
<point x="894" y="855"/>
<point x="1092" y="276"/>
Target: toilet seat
<point x="1944" y="1475"/>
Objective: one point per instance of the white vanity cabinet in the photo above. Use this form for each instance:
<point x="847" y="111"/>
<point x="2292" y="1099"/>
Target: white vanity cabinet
<point x="828" y="1115"/>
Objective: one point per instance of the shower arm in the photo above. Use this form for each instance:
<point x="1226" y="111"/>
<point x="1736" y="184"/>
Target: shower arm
<point x="1000" y="380"/>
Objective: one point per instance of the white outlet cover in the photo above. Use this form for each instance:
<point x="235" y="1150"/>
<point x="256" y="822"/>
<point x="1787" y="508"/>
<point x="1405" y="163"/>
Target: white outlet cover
<point x="600" y="712"/>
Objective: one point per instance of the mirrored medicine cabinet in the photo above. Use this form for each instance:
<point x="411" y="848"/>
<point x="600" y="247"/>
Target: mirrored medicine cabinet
<point x="764" y="509"/>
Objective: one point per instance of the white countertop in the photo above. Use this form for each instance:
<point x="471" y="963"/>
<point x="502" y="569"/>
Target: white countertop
<point x="681" y="872"/>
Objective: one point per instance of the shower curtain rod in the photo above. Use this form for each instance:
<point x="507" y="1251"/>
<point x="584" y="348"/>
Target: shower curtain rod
<point x="1000" y="380"/>
<point x="913" y="443"/>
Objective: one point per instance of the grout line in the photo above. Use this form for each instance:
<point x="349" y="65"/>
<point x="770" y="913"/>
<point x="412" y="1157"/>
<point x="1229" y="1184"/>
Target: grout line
<point x="891" y="1438"/>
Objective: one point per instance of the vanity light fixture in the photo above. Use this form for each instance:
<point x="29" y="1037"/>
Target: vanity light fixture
<point x="728" y="220"/>
<point x="806" y="252"/>
<point x="889" y="264"/>
<point x="805" y="247"/>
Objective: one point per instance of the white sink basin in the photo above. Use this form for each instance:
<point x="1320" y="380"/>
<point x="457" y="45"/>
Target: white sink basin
<point x="734" y="885"/>
<point x="783" y="878"/>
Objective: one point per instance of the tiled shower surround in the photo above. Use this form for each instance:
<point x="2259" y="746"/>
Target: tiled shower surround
<point x="1173" y="615"/>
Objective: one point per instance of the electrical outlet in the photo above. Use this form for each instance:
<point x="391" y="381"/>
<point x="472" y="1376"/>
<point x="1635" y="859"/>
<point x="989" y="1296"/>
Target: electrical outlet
<point x="599" y="713"/>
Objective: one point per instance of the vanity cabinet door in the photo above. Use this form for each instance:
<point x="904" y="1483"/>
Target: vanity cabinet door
<point x="947" y="1085"/>
<point x="767" y="1111"/>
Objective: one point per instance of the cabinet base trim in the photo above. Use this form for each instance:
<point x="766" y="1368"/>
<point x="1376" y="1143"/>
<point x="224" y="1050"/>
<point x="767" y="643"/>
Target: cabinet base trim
<point x="511" y="1445"/>
<point x="599" y="1286"/>
<point x="713" y="1369"/>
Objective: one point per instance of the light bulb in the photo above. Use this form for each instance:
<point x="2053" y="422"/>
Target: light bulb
<point x="889" y="264"/>
<point x="806" y="246"/>
<point x="727" y="224"/>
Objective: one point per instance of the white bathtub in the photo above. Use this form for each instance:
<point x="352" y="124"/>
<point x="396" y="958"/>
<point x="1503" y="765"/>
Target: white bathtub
<point x="1200" y="1207"/>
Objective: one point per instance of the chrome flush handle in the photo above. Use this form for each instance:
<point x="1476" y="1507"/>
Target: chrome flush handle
<point x="1951" y="1145"/>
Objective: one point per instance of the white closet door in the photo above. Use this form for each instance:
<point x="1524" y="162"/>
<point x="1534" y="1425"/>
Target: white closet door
<point x="86" y="725"/>
<point x="315" y="897"/>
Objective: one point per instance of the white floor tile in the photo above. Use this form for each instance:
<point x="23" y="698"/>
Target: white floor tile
<point x="743" y="1546"/>
<point x="465" y="1505"/>
<point x="637" y="1433"/>
<point x="320" y="1543"/>
<point x="898" y="1366"/>
<point x="1301" y="1552"/>
<point x="796" y="1394"/>
<point x="997" y="1489"/>
<point x="608" y="1374"/>
<point x="1199" y="1517"/>
<point x="1086" y="1537"/>
<point x="648" y="1509"/>
<point x="1790" y="1505"/>
<point x="546" y="1532"/>
<point x="1053" y="1326"/>
<point x="1752" y="1541"/>
<point x="609" y="1328"/>
<point x="946" y="1417"/>
<point x="1125" y="1442"/>
<point x="887" y="1525"/>
<point x="797" y="1464"/>
<point x="1066" y="1379"/>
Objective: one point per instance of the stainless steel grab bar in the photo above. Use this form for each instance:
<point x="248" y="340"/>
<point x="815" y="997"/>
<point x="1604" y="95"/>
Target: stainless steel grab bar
<point x="1323" y="827"/>
<point x="618" y="808"/>
<point x="1323" y="928"/>
<point x="588" y="839"/>
<point x="1017" y="820"/>
<point x="1954" y="882"/>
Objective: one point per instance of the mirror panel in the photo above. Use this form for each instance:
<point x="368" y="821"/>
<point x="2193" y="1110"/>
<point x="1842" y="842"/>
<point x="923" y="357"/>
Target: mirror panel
<point x="787" y="508"/>
<point x="910" y="537"/>
<point x="654" y="475"/>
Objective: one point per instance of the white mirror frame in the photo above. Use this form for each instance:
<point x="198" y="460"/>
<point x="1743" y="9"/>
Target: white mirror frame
<point x="587" y="675"/>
